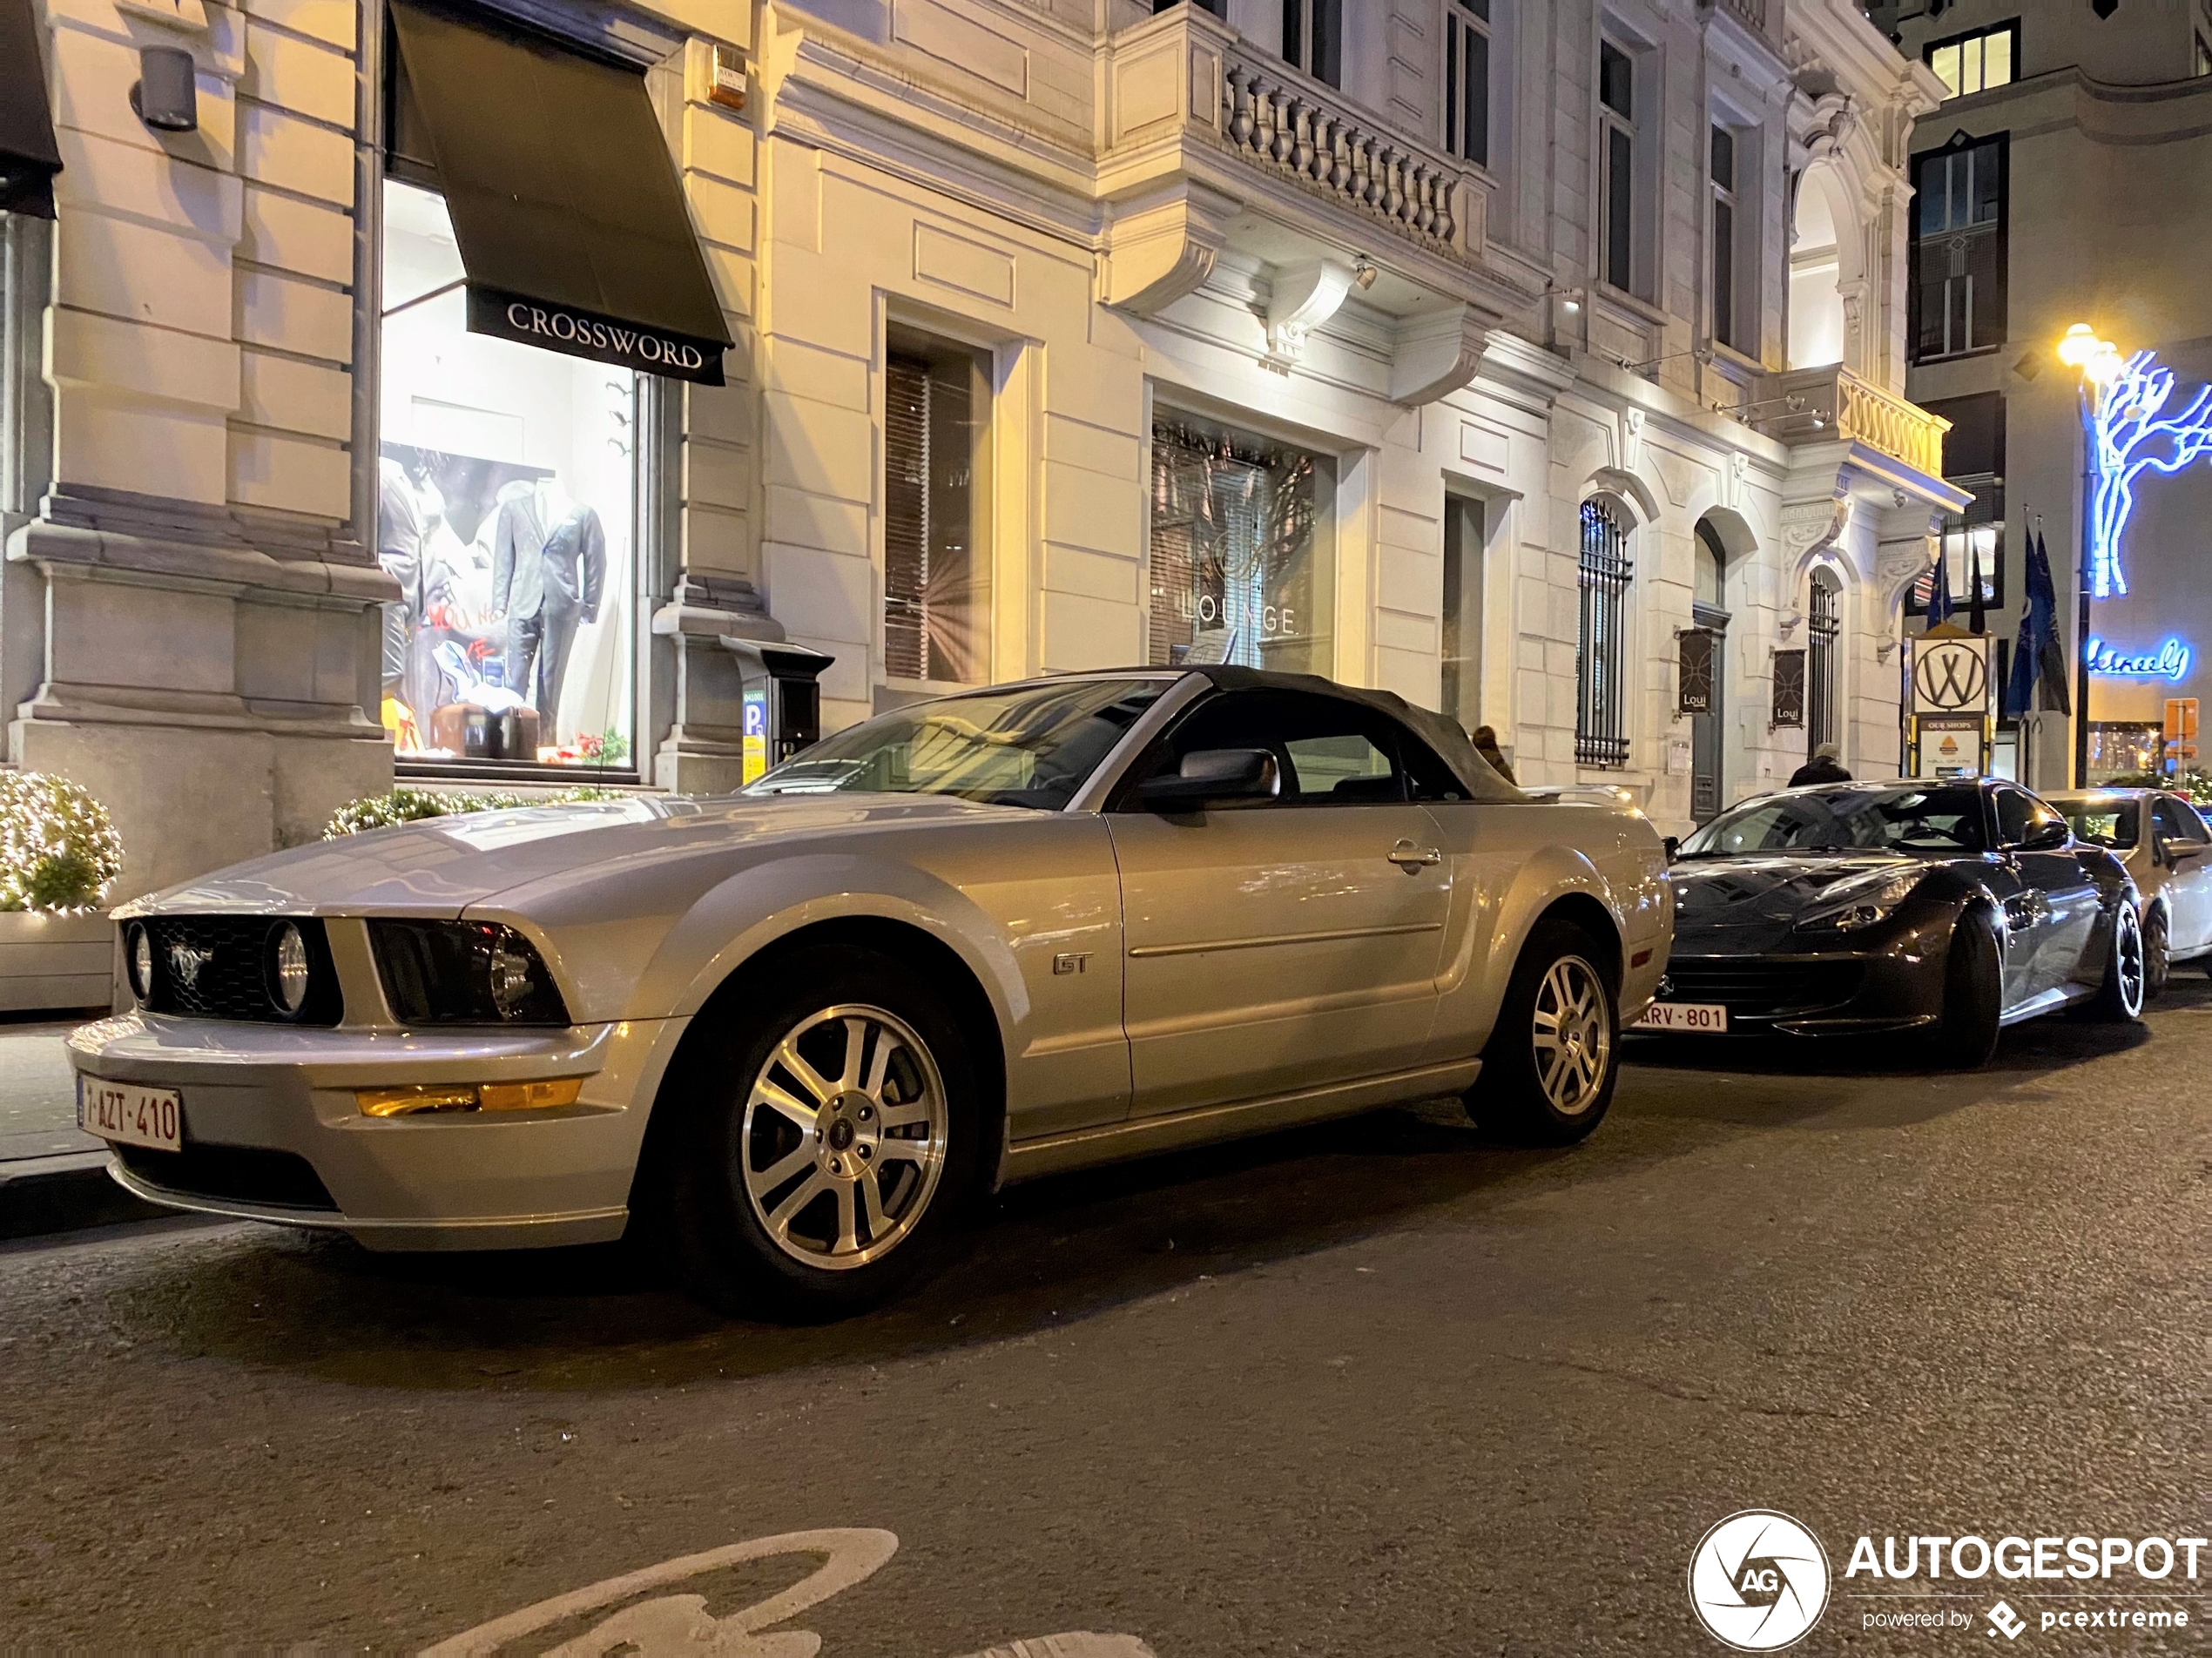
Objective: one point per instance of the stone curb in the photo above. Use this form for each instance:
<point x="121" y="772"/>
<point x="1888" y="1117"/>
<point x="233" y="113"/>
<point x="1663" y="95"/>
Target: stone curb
<point x="64" y="1193"/>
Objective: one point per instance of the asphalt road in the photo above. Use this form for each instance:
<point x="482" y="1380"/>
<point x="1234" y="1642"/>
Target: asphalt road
<point x="1380" y="1388"/>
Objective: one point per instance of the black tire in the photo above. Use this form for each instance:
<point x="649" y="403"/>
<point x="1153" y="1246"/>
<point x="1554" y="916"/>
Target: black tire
<point x="1974" y="994"/>
<point x="1534" y="1089"/>
<point x="2158" y="954"/>
<point x="706" y="1158"/>
<point x="2120" y="998"/>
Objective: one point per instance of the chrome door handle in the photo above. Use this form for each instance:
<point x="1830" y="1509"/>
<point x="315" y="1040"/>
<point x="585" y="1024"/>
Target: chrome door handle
<point x="1406" y="855"/>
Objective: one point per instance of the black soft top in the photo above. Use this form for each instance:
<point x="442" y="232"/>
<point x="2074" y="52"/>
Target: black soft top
<point x="1447" y="736"/>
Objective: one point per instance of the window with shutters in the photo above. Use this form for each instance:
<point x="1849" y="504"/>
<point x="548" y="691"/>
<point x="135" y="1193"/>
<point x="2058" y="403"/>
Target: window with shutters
<point x="1466" y="79"/>
<point x="936" y="562"/>
<point x="1601" y="649"/>
<point x="1959" y="249"/>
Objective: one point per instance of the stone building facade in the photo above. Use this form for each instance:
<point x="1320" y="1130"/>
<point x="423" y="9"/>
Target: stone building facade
<point x="2098" y="133"/>
<point x="1479" y="351"/>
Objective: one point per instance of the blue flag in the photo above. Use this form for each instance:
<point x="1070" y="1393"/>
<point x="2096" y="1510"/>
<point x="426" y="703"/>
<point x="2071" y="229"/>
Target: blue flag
<point x="1940" y="604"/>
<point x="2038" y="660"/>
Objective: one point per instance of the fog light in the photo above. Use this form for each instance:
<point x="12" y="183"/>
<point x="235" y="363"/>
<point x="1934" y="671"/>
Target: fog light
<point x="428" y="1097"/>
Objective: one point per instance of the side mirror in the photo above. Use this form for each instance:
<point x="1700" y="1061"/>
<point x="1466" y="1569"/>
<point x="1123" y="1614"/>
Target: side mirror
<point x="1673" y="844"/>
<point x="2046" y="837"/>
<point x="1212" y="777"/>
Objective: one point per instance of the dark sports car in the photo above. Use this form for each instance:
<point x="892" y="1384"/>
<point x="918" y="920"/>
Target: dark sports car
<point x="1949" y="909"/>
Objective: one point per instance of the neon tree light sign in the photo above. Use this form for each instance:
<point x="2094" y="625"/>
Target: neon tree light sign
<point x="2127" y="435"/>
<point x="2170" y="661"/>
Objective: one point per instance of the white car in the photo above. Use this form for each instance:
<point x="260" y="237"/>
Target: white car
<point x="2167" y="848"/>
<point x="795" y="1030"/>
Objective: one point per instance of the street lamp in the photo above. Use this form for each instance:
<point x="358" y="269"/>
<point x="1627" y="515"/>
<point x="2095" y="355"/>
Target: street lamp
<point x="2099" y="363"/>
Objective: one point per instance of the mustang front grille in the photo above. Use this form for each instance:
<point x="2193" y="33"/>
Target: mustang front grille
<point x="217" y="966"/>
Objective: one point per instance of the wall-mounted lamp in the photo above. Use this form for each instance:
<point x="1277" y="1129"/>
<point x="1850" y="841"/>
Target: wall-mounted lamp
<point x="1363" y="273"/>
<point x="165" y="95"/>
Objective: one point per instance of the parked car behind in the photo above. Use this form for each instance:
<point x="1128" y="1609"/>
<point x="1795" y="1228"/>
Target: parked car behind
<point x="2164" y="844"/>
<point x="790" y="1034"/>
<point x="1948" y="909"/>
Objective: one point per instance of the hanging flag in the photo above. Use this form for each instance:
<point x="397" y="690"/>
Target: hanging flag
<point x="1977" y="619"/>
<point x="1940" y="604"/>
<point x="2020" y="689"/>
<point x="2053" y="694"/>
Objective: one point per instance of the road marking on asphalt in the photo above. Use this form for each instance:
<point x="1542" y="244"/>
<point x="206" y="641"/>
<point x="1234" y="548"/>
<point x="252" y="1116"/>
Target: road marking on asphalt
<point x="675" y="1625"/>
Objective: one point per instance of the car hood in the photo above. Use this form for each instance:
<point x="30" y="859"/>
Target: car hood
<point x="1768" y="890"/>
<point x="442" y="865"/>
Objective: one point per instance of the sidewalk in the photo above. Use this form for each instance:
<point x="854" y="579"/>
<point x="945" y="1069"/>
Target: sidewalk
<point x="52" y="1177"/>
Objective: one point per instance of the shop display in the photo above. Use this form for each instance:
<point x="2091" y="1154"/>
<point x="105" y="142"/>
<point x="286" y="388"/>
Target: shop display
<point x="1242" y="546"/>
<point x="507" y="481"/>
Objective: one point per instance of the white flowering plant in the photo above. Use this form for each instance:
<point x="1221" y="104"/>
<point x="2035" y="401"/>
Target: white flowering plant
<point x="58" y="851"/>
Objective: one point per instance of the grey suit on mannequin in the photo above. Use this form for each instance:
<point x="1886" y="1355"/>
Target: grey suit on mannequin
<point x="549" y="569"/>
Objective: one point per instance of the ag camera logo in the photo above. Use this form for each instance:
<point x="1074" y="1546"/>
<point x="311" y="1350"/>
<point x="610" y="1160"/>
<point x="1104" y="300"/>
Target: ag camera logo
<point x="1758" y="1582"/>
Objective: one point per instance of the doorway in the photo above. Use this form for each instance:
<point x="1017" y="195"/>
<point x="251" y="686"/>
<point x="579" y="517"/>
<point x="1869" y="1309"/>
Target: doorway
<point x="1706" y="611"/>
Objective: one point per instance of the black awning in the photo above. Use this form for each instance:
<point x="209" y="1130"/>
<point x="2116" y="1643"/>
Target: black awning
<point x="564" y="198"/>
<point x="27" y="158"/>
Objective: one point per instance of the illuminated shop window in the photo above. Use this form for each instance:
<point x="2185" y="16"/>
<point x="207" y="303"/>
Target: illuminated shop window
<point x="1243" y="549"/>
<point x="507" y="510"/>
<point x="1976" y="61"/>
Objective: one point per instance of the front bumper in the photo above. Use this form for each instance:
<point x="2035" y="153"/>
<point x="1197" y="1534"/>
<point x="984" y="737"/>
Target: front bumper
<point x="1829" y="994"/>
<point x="272" y="1133"/>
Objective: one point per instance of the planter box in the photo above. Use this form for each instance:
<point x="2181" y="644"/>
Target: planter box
<point x="55" y="960"/>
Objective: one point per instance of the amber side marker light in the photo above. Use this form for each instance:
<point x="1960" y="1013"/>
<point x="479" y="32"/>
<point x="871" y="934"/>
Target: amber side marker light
<point x="476" y="1096"/>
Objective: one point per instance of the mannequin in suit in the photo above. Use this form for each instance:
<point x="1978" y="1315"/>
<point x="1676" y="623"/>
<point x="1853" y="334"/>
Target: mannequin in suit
<point x="399" y="549"/>
<point x="549" y="570"/>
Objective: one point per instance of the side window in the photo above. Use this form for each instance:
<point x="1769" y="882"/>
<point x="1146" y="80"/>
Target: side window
<point x="1427" y="776"/>
<point x="2179" y="822"/>
<point x="2040" y="815"/>
<point x="2012" y="816"/>
<point x="1329" y="753"/>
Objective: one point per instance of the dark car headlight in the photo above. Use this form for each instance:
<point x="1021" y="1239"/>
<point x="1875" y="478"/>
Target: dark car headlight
<point x="1865" y="907"/>
<point x="464" y="973"/>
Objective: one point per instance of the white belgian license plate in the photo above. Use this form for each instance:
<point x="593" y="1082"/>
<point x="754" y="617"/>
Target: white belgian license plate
<point x="1683" y="1016"/>
<point x="136" y="1116"/>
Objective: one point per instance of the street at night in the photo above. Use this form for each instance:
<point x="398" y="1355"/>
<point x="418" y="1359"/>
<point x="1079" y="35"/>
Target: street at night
<point x="1381" y="1386"/>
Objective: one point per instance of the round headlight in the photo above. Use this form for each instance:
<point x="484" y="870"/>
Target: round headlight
<point x="511" y="983"/>
<point x="288" y="969"/>
<point x="137" y="954"/>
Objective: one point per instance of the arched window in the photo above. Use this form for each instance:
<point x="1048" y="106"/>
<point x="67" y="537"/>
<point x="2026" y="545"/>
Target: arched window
<point x="1601" y="649"/>
<point x="1824" y="689"/>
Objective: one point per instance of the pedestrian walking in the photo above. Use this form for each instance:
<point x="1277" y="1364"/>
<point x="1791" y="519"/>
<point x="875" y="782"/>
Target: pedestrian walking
<point x="1486" y="744"/>
<point x="1823" y="767"/>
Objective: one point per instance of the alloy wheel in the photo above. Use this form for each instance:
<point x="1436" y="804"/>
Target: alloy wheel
<point x="1573" y="1036"/>
<point x="2127" y="948"/>
<point x="844" y="1136"/>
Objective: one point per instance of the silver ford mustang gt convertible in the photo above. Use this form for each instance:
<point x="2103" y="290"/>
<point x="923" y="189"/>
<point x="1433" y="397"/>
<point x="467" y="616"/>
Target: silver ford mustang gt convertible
<point x="787" y="1034"/>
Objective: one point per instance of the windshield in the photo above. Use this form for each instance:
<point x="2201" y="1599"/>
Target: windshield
<point x="1029" y="746"/>
<point x="1905" y="819"/>
<point x="2102" y="822"/>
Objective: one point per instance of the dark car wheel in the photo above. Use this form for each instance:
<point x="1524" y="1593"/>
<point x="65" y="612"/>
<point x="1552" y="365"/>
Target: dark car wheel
<point x="1549" y="1070"/>
<point x="822" y="1146"/>
<point x="2120" y="998"/>
<point x="1973" y="993"/>
<point x="2158" y="955"/>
